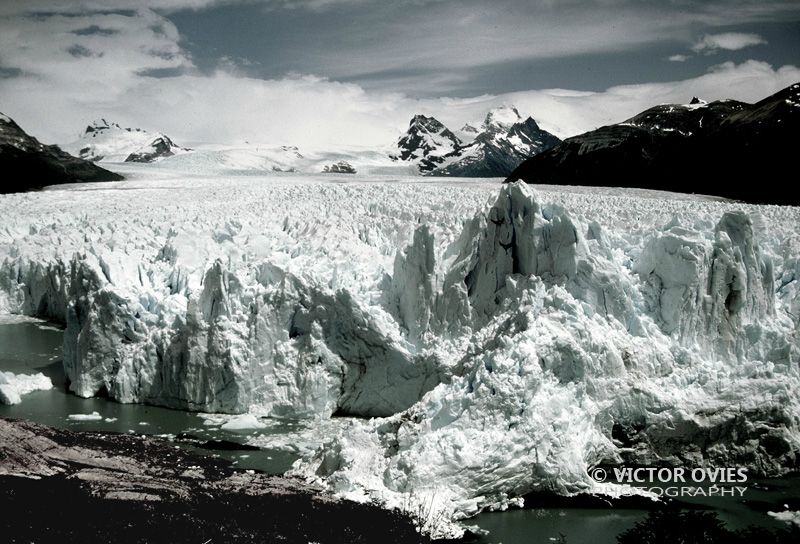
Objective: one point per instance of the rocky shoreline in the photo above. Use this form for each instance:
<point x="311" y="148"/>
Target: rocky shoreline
<point x="62" y="486"/>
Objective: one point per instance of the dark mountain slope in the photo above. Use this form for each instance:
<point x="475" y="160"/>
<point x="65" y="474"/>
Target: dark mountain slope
<point x="725" y="148"/>
<point x="499" y="149"/>
<point x="426" y="142"/>
<point x="28" y="164"/>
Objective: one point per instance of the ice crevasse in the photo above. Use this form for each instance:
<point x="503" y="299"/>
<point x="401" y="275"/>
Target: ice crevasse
<point x="507" y="354"/>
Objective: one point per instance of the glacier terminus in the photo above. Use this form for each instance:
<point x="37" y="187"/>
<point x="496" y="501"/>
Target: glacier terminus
<point x="484" y="340"/>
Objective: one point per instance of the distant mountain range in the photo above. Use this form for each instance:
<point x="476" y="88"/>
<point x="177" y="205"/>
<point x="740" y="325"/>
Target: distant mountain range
<point x="28" y="164"/>
<point x="494" y="149"/>
<point x="724" y="148"/>
<point x="109" y="142"/>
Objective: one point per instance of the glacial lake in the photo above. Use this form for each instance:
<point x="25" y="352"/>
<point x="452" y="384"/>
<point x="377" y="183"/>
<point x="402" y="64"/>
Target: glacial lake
<point x="29" y="346"/>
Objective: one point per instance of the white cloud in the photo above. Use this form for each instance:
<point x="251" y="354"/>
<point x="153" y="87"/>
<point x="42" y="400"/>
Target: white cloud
<point x="568" y="113"/>
<point x="730" y="41"/>
<point x="678" y="58"/>
<point x="88" y="6"/>
<point x="59" y="92"/>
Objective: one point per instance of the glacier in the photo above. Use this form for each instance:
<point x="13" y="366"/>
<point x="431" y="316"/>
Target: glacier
<point x="489" y="340"/>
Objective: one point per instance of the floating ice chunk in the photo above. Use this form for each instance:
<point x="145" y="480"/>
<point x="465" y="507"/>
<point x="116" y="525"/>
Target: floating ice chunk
<point x="788" y="516"/>
<point x="94" y="416"/>
<point x="243" y="422"/>
<point x="13" y="386"/>
<point x="213" y="420"/>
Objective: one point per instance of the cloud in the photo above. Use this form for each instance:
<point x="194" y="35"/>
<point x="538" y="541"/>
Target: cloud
<point x="46" y="7"/>
<point x="94" y="29"/>
<point x="567" y="113"/>
<point x="78" y="51"/>
<point x="140" y="75"/>
<point x="729" y="41"/>
<point x="678" y="58"/>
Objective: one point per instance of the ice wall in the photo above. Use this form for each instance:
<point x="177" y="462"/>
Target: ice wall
<point x="503" y="348"/>
<point x="572" y="357"/>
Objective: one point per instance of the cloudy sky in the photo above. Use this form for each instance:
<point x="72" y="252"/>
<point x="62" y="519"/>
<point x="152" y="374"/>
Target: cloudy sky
<point x="324" y="72"/>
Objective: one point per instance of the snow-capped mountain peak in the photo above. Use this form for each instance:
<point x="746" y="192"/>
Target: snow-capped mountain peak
<point x="470" y="128"/>
<point x="101" y="125"/>
<point x="468" y="132"/>
<point x="104" y="140"/>
<point x="494" y="149"/>
<point x="29" y="164"/>
<point x="501" y="119"/>
<point x="426" y="141"/>
<point x="500" y="147"/>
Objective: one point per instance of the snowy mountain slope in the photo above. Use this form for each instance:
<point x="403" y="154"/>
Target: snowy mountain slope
<point x="508" y="339"/>
<point x="504" y="142"/>
<point x="724" y="148"/>
<point x="257" y="160"/>
<point x="468" y="132"/>
<point x="494" y="149"/>
<point x="109" y="142"/>
<point x="28" y="164"/>
<point x="425" y="143"/>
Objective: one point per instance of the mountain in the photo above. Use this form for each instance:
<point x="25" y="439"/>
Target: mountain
<point x="426" y="142"/>
<point x="106" y="141"/>
<point x="492" y="149"/>
<point x="724" y="148"/>
<point x="28" y="164"/>
<point x="504" y="141"/>
<point x="259" y="159"/>
<point x="468" y="132"/>
<point x="341" y="167"/>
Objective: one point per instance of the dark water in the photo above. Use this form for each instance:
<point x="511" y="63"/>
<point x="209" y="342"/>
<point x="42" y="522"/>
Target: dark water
<point x="602" y="526"/>
<point x="30" y="346"/>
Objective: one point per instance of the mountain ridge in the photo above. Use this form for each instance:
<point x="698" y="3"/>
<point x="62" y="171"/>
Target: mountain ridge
<point x="502" y="141"/>
<point x="29" y="164"/>
<point x="107" y="141"/>
<point x="722" y="148"/>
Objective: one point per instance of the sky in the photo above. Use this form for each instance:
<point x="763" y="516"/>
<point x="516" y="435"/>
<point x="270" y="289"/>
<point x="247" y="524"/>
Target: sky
<point x="318" y="73"/>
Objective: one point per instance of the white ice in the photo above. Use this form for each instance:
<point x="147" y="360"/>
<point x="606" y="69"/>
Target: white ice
<point x="94" y="416"/>
<point x="495" y="333"/>
<point x="243" y="422"/>
<point x="789" y="516"/>
<point x="109" y="142"/>
<point x="14" y="386"/>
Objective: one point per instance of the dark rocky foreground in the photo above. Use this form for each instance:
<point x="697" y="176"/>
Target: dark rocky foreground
<point x="62" y="486"/>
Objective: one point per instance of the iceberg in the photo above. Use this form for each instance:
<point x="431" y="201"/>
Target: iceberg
<point x="94" y="416"/>
<point x="244" y="422"/>
<point x="14" y="386"/>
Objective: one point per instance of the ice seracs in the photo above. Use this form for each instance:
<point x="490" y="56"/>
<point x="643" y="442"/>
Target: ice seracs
<point x="565" y="348"/>
<point x="505" y="340"/>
